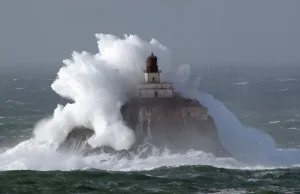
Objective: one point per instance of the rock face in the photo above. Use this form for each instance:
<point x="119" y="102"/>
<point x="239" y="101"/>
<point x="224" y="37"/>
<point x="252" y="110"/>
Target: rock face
<point x="176" y="123"/>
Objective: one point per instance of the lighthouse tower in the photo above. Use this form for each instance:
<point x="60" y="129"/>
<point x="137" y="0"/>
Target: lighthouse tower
<point x="152" y="74"/>
<point x="152" y="87"/>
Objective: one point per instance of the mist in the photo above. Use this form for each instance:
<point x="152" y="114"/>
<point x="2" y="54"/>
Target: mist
<point x="197" y="32"/>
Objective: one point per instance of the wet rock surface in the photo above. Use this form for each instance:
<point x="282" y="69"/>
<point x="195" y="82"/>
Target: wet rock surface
<point x="161" y="124"/>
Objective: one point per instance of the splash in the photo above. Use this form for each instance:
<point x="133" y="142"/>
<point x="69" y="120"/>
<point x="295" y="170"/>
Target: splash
<point x="248" y="145"/>
<point x="35" y="155"/>
<point x="99" y="84"/>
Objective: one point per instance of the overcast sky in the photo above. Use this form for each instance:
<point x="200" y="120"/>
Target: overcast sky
<point x="195" y="30"/>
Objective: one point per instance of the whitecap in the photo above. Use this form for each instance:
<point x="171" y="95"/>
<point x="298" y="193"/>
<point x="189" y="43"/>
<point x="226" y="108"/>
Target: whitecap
<point x="274" y="122"/>
<point x="282" y="90"/>
<point x="293" y="128"/>
<point x="99" y="84"/>
<point x="241" y="83"/>
<point x="288" y="80"/>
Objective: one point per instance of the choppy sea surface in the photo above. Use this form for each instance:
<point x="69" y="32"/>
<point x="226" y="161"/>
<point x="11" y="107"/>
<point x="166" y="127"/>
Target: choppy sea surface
<point x="261" y="96"/>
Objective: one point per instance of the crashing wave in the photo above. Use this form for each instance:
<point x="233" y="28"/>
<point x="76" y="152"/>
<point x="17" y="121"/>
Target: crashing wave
<point x="100" y="84"/>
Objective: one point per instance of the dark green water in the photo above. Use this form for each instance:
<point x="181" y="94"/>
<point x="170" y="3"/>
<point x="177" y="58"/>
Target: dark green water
<point x="184" y="179"/>
<point x="269" y="102"/>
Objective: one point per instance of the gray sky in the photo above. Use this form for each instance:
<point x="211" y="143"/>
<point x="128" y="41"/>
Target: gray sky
<point x="195" y="30"/>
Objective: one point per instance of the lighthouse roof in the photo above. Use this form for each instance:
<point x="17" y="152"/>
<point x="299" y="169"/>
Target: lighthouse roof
<point x="152" y="56"/>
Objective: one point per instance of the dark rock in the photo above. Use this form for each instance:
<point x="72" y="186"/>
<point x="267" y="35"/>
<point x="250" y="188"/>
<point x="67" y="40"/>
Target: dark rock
<point x="176" y="124"/>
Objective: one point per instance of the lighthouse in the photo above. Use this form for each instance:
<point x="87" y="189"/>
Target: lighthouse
<point x="152" y="87"/>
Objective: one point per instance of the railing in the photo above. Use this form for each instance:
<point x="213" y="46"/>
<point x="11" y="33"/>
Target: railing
<point x="145" y="71"/>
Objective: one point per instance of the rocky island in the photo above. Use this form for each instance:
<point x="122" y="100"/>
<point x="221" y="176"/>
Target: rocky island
<point x="160" y="118"/>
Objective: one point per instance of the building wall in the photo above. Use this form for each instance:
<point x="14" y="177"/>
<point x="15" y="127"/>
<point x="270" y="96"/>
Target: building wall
<point x="155" y="85"/>
<point x="165" y="85"/>
<point x="147" y="93"/>
<point x="152" y="88"/>
<point x="155" y="93"/>
<point x="152" y="77"/>
<point x="165" y="93"/>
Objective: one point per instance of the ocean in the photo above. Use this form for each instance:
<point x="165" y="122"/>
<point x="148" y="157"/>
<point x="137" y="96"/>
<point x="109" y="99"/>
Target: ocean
<point x="265" y="97"/>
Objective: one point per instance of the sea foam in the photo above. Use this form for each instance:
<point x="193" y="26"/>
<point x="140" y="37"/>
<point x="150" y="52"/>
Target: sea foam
<point x="99" y="84"/>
